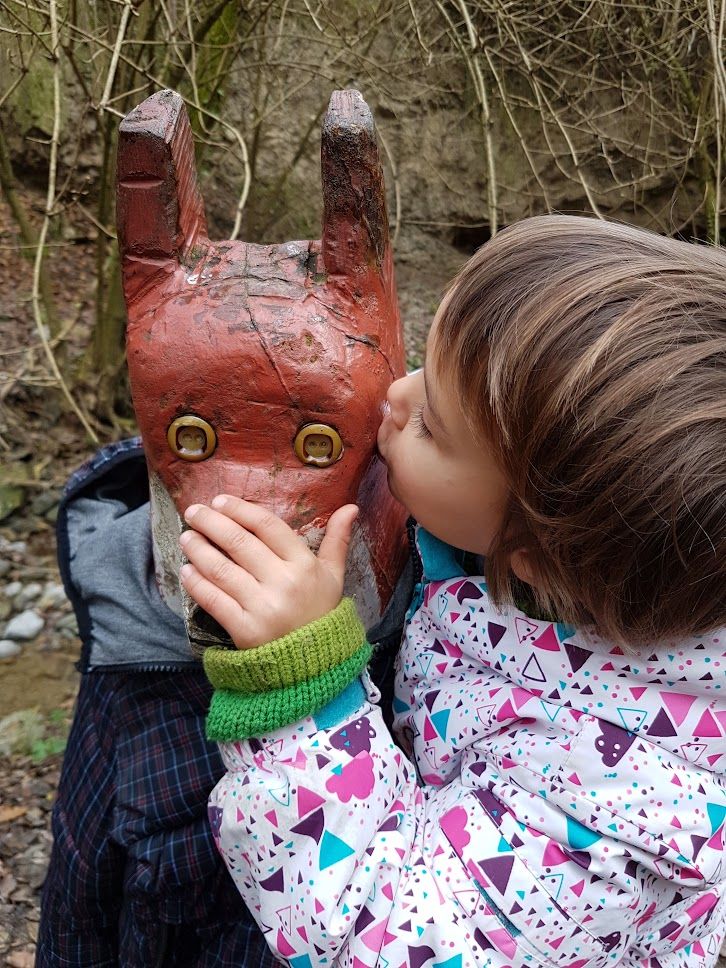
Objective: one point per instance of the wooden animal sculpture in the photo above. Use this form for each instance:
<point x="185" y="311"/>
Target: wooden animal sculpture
<point x="261" y="370"/>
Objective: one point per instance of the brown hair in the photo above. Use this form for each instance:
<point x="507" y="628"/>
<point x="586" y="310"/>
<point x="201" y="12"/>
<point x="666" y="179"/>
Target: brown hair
<point x="593" y="356"/>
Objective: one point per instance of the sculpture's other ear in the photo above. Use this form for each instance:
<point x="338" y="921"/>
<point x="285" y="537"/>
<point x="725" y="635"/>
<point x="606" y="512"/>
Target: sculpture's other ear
<point x="355" y="222"/>
<point x="159" y="211"/>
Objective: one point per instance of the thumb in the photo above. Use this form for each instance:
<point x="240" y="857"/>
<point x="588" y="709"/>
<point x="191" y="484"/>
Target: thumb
<point x="334" y="546"/>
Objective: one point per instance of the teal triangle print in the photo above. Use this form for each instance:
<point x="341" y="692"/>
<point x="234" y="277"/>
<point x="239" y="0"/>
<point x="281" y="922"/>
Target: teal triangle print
<point x="580" y="837"/>
<point x="333" y="850"/>
<point x="632" y="719"/>
<point x="454" y="962"/>
<point x="301" y="961"/>
<point x="716" y="814"/>
<point x="440" y="721"/>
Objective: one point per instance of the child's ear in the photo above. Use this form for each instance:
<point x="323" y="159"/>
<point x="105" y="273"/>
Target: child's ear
<point x="521" y="561"/>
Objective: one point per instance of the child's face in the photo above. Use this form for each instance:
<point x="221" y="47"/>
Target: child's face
<point x="437" y="469"/>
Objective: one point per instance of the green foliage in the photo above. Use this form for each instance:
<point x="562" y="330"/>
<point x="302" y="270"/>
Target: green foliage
<point x="29" y="732"/>
<point x="42" y="749"/>
<point x="56" y="726"/>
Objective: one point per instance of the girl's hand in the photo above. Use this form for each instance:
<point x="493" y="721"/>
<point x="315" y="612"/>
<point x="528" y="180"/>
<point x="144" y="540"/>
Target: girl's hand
<point x="254" y="575"/>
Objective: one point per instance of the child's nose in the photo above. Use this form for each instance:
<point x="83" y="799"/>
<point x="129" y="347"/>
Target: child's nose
<point x="398" y="397"/>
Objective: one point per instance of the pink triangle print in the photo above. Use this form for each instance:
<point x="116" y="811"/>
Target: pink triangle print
<point x="548" y="640"/>
<point x="307" y="801"/>
<point x="678" y="705"/>
<point x="707" y="725"/>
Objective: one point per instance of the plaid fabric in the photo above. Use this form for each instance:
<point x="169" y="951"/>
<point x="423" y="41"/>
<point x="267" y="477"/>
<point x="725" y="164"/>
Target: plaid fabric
<point x="107" y="456"/>
<point x="134" y="877"/>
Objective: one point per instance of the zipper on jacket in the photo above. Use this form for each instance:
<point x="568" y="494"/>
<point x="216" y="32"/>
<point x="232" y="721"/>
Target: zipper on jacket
<point x="142" y="667"/>
<point x="415" y="556"/>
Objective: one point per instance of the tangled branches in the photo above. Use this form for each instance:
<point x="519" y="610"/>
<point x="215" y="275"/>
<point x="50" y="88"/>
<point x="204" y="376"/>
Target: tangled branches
<point x="503" y="108"/>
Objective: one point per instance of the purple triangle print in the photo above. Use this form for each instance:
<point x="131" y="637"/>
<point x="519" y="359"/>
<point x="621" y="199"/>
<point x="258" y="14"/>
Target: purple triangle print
<point x="311" y="826"/>
<point x="495" y="633"/>
<point x="533" y="670"/>
<point x="577" y="656"/>
<point x="275" y="882"/>
<point x="662" y="726"/>
<point x="417" y="957"/>
<point x="498" y="869"/>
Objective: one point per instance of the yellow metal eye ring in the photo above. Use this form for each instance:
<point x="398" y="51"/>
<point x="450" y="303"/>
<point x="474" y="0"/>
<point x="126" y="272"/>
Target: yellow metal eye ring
<point x="311" y="450"/>
<point x="199" y="435"/>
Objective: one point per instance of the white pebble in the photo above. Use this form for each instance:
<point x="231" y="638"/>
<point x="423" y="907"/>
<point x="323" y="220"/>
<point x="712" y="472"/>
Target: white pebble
<point x="24" y="626"/>
<point x="28" y="594"/>
<point x="53" y="596"/>
<point x="8" y="648"/>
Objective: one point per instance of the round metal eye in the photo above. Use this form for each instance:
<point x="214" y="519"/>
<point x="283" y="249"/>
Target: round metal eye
<point x="318" y="444"/>
<point x="191" y="438"/>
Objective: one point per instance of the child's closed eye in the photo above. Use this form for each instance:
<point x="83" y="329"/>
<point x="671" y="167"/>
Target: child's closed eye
<point x="417" y="417"/>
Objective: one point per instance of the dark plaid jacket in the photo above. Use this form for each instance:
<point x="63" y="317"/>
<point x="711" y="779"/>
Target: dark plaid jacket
<point x="134" y="877"/>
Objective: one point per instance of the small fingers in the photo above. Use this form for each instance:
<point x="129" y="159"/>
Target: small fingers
<point x="217" y="568"/>
<point x="239" y="543"/>
<point x="269" y="528"/>
<point x="218" y="604"/>
<point x="334" y="546"/>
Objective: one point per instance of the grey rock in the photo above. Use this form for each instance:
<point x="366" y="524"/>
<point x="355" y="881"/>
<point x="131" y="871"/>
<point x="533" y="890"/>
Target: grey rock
<point x="53" y="596"/>
<point x="29" y="593"/>
<point x="9" y="649"/>
<point x="44" y="502"/>
<point x="68" y="623"/>
<point x="5" y="567"/>
<point x="24" y="626"/>
<point x="12" y="589"/>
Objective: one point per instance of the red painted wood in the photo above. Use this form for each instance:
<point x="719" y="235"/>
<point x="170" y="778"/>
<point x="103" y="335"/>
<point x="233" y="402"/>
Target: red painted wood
<point x="259" y="340"/>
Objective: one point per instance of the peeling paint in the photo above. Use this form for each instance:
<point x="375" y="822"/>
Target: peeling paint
<point x="260" y="340"/>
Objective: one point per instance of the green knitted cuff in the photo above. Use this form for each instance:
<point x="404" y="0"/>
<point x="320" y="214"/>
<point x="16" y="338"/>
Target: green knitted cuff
<point x="235" y="715"/>
<point x="304" y="654"/>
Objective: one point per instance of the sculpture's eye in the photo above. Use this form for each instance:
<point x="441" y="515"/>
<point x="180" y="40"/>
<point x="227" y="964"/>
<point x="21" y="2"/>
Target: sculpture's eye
<point x="191" y="438"/>
<point x="318" y="444"/>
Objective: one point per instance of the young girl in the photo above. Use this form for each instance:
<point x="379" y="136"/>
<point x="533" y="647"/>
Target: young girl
<point x="553" y="793"/>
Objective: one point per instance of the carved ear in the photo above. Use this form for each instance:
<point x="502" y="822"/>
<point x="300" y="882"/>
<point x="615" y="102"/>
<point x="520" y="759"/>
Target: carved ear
<point x="355" y="222"/>
<point x="159" y="211"/>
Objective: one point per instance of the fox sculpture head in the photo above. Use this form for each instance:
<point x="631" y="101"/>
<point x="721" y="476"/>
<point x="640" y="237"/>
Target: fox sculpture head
<point x="261" y="370"/>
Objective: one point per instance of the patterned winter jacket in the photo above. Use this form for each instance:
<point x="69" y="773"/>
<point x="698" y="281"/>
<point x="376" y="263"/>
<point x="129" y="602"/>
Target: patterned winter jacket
<point x="547" y="800"/>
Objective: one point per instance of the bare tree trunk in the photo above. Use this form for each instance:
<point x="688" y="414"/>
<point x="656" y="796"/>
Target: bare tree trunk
<point x="29" y="237"/>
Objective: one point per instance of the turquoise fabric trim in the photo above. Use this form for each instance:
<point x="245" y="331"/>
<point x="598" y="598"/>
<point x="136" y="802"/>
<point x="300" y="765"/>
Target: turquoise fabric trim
<point x="440" y="560"/>
<point x="342" y="707"/>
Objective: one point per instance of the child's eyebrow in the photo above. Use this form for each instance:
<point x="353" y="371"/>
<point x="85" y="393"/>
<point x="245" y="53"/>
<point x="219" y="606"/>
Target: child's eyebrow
<point x="432" y="410"/>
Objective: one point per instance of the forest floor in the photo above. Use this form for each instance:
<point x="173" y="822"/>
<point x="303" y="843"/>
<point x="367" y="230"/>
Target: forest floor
<point x="40" y="444"/>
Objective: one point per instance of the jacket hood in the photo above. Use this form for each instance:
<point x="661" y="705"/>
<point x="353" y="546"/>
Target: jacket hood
<point x="106" y="560"/>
